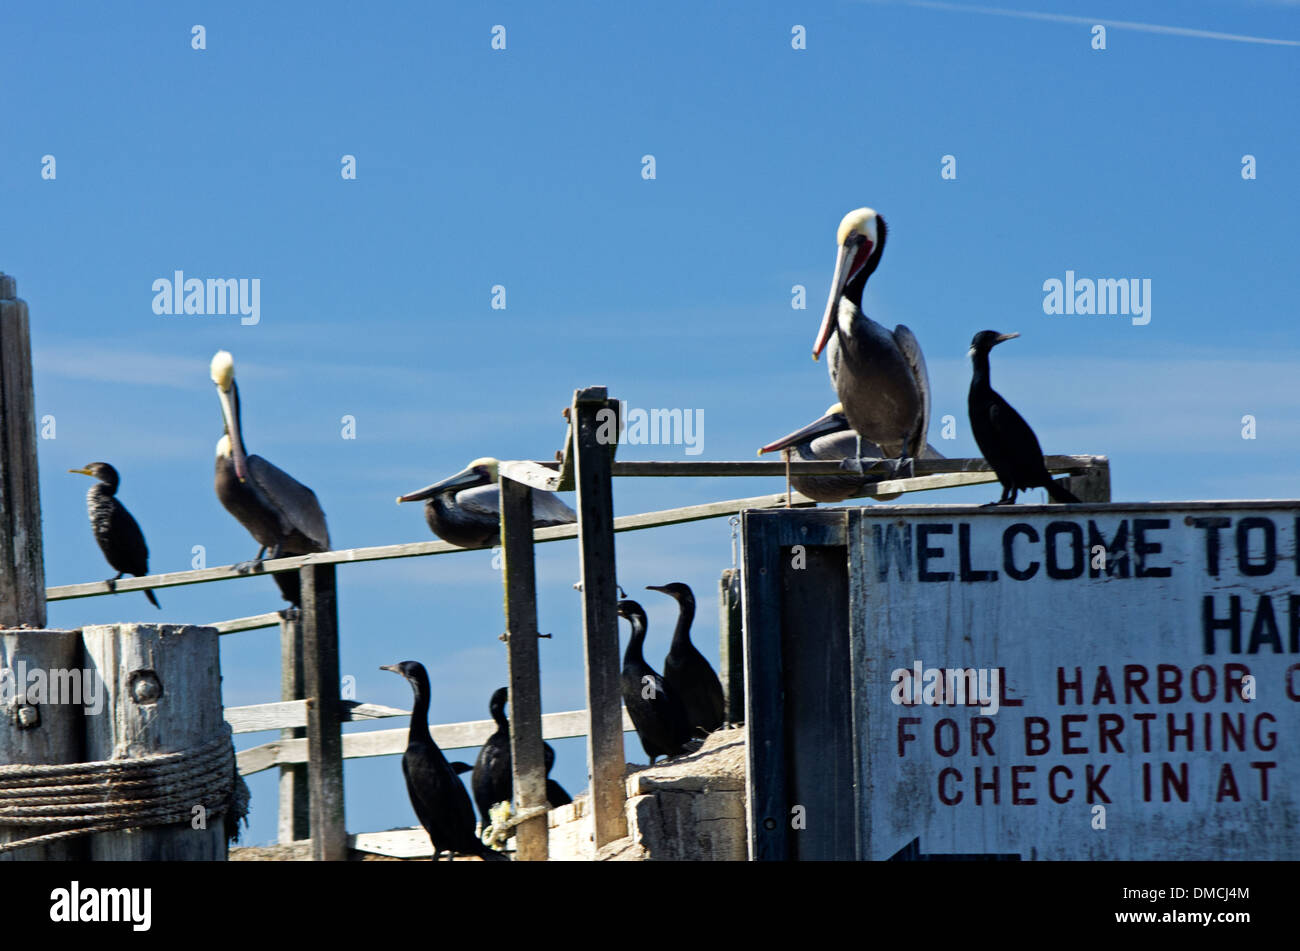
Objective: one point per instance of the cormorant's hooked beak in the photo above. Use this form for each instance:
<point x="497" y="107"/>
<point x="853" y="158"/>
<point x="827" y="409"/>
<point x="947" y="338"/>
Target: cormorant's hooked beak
<point x="393" y="667"/>
<point x="231" y="415"/>
<point x="844" y="270"/>
<point x="658" y="587"/>
<point x="82" y="472"/>
<point x="830" y="423"/>
<point x="465" y="479"/>
<point x="1000" y="338"/>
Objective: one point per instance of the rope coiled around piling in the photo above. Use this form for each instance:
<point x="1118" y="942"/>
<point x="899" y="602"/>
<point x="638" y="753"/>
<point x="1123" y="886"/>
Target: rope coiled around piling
<point x="76" y="799"/>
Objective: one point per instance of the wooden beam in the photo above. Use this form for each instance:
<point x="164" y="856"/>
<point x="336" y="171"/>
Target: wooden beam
<point x="526" y="751"/>
<point x="320" y="646"/>
<point x="22" y="565"/>
<point x="294" y="815"/>
<point x="448" y="736"/>
<point x="288" y="714"/>
<point x="606" y="763"/>
<point x="253" y="623"/>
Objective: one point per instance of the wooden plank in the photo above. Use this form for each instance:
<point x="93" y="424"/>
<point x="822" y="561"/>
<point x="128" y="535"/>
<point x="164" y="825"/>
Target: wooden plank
<point x="40" y="732"/>
<point x="448" y="736"/>
<point x="535" y="475"/>
<point x="526" y="752"/>
<point x="162" y="691"/>
<point x="1093" y="485"/>
<point x="731" y="645"/>
<point x="253" y="623"/>
<point x="22" y="565"/>
<point x="606" y="763"/>
<point x="291" y="714"/>
<point x="320" y="645"/>
<point x="755" y="468"/>
<point x="397" y="843"/>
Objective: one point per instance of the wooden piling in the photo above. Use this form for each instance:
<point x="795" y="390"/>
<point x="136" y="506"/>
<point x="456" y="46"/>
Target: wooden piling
<point x="1093" y="485"/>
<point x="22" y="569"/>
<point x="161" y="688"/>
<point x="295" y="804"/>
<point x="39" y="732"/>
<point x="593" y="441"/>
<point x="527" y="757"/>
<point x="320" y="646"/>
<point x="731" y="645"/>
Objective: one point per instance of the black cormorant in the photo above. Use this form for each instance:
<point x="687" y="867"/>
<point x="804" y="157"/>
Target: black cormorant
<point x="438" y="796"/>
<point x="686" y="671"/>
<point x="879" y="374"/>
<point x="1005" y="439"/>
<point x="465" y="509"/>
<point x="656" y="710"/>
<point x="493" y="779"/>
<point x="280" y="512"/>
<point x="117" y="532"/>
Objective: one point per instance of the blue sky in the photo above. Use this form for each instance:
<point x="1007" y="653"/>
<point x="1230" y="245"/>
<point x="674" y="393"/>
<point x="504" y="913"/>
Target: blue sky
<point x="522" y="168"/>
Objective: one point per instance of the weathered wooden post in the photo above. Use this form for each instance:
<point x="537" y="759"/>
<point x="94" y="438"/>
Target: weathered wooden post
<point x="1093" y="485"/>
<point x="526" y="751"/>
<point x="161" y="686"/>
<point x="22" y="568"/>
<point x="38" y="731"/>
<point x="731" y="645"/>
<point x="295" y="805"/>
<point x="594" y="418"/>
<point x="33" y="730"/>
<point x="320" y="645"/>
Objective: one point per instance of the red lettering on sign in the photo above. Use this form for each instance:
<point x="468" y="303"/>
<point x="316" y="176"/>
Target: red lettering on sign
<point x="1135" y="676"/>
<point x="1170" y="683"/>
<point x="1017" y="785"/>
<point x="1051" y="784"/>
<point x="1093" y="777"/>
<point x="1068" y="734"/>
<point x="981" y="730"/>
<point x="1227" y="785"/>
<point x="1109" y="727"/>
<point x="1036" y="732"/>
<point x="944" y="798"/>
<point x="903" y="734"/>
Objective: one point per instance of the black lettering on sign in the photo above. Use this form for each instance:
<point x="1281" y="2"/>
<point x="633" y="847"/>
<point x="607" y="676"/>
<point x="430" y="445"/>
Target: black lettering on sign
<point x="1079" y="558"/>
<point x="1008" y="551"/>
<point x="1211" y="524"/>
<point x="1211" y="622"/>
<point x="1116" y="550"/>
<point x="1264" y="630"/>
<point x="1293" y="622"/>
<point x="925" y="552"/>
<point x="963" y="552"/>
<point x="1142" y="547"/>
<point x="893" y="545"/>
<point x="1244" y="564"/>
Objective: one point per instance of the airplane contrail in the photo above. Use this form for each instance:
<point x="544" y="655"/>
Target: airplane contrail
<point x="1090" y="21"/>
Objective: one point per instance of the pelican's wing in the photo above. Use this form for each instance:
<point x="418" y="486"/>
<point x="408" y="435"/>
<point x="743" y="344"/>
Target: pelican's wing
<point x="482" y="500"/>
<point x="911" y="350"/>
<point x="485" y="500"/>
<point x="549" y="509"/>
<point x="295" y="502"/>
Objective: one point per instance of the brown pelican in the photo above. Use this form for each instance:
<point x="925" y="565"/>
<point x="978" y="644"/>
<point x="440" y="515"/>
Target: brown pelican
<point x="831" y="439"/>
<point x="279" y="512"/>
<point x="464" y="509"/>
<point x="879" y="374"/>
<point x="117" y="532"/>
<point x="1005" y="439"/>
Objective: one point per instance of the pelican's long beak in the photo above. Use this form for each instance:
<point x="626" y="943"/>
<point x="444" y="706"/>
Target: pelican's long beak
<point x="830" y="423"/>
<point x="843" y="271"/>
<point x="81" y="471"/>
<point x="465" y="479"/>
<point x="231" y="415"/>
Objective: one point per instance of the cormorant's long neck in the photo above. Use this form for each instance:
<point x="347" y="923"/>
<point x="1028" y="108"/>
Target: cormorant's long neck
<point x="682" y="633"/>
<point x="499" y="717"/>
<point x="979" y="381"/>
<point x="420" y="713"/>
<point x="633" y="652"/>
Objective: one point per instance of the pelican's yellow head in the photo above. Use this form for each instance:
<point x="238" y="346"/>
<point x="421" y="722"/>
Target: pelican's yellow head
<point x="487" y="465"/>
<point x="223" y="369"/>
<point x="860" y="221"/>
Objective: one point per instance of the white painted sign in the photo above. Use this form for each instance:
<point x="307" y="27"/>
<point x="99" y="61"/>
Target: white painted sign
<point x="1084" y="682"/>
